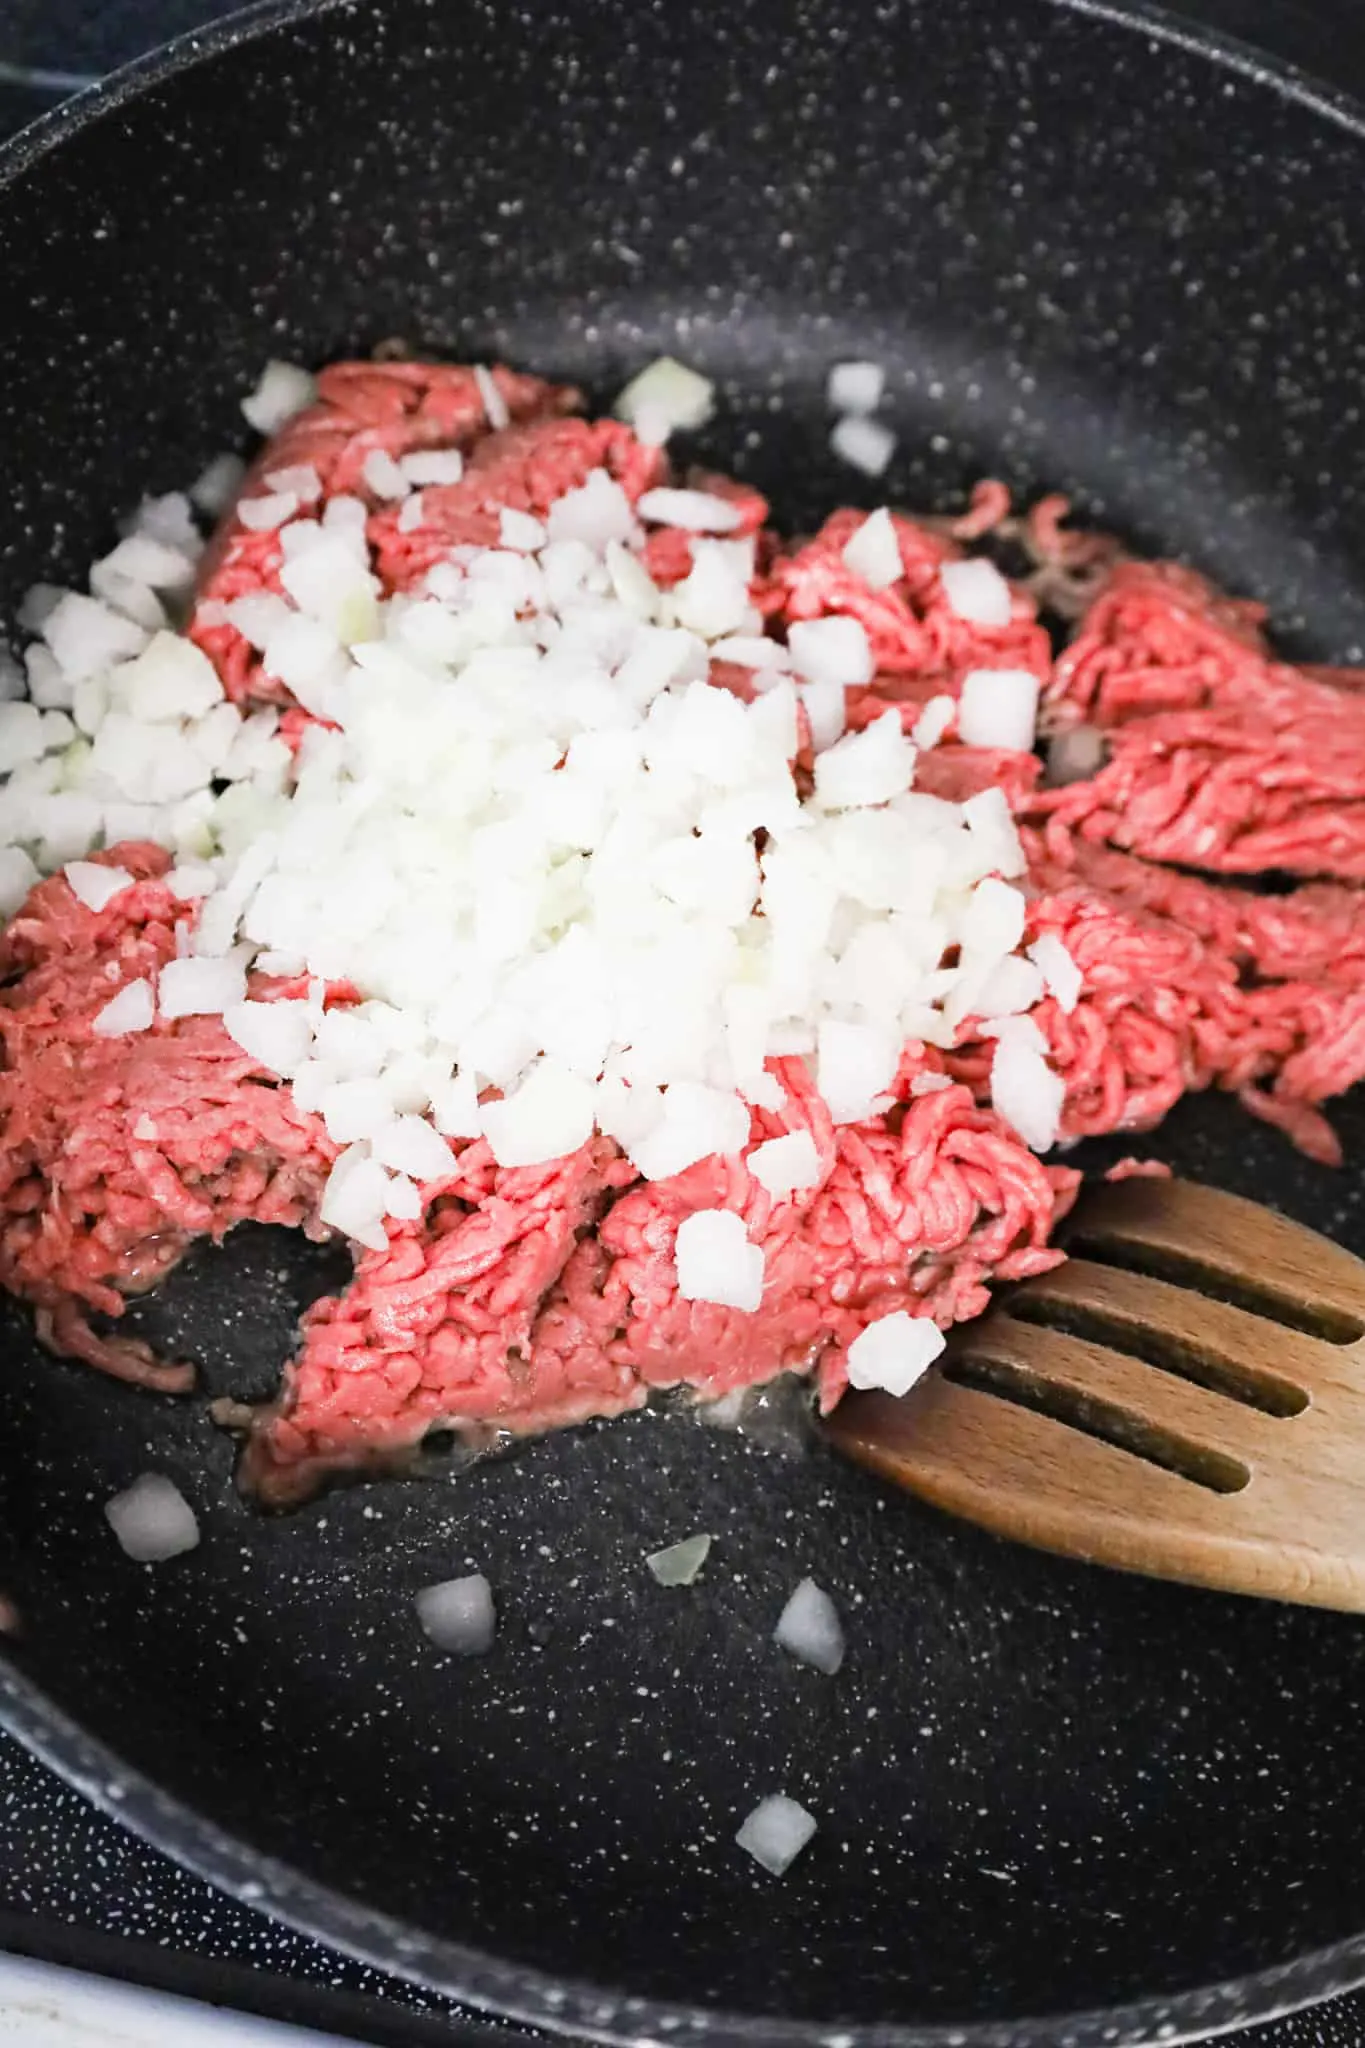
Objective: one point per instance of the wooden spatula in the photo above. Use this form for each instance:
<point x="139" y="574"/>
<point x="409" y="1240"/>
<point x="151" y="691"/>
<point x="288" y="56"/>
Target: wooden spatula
<point x="1185" y="1397"/>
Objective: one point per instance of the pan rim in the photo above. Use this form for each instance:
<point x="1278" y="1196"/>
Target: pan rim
<point x="477" y="1977"/>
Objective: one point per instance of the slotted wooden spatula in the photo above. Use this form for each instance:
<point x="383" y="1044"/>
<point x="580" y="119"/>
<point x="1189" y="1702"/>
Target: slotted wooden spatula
<point x="1185" y="1397"/>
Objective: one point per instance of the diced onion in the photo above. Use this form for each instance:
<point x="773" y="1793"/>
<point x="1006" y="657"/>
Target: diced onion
<point x="680" y="1563"/>
<point x="547" y="1117"/>
<point x="810" y="1630"/>
<point x="874" y="552"/>
<point x="284" y="390"/>
<point x="152" y="1519"/>
<point x="833" y="650"/>
<point x="459" y="1615"/>
<point x="1027" y="1093"/>
<point x="94" y="884"/>
<point x="856" y="387"/>
<point x="998" y="708"/>
<point x="716" y="1262"/>
<point x="666" y="398"/>
<point x="132" y="1009"/>
<point x="786" y="1165"/>
<point x="776" y="1832"/>
<point x="17" y="876"/>
<point x="694" y="511"/>
<point x="1058" y="969"/>
<point x="863" y="444"/>
<point x="431" y="466"/>
<point x="200" y="988"/>
<point x="977" y="591"/>
<point x="894" y="1352"/>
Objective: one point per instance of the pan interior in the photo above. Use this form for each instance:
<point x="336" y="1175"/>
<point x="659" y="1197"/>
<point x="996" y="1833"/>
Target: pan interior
<point x="1088" y="258"/>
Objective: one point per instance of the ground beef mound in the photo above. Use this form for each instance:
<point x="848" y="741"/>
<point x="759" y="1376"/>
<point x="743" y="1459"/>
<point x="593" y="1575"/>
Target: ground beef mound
<point x="530" y="1298"/>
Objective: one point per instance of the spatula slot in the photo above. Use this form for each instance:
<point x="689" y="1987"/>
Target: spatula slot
<point x="1239" y="1289"/>
<point x="1182" y="1353"/>
<point x="1008" y="1381"/>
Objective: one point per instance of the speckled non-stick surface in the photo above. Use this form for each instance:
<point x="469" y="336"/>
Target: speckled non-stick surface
<point x="1040" y="1791"/>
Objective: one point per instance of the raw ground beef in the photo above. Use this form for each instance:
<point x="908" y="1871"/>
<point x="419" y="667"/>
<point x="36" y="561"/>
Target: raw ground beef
<point x="527" y="1298"/>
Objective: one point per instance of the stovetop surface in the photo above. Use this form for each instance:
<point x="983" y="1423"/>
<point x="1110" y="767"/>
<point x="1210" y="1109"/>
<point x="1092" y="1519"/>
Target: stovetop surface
<point x="77" y="1888"/>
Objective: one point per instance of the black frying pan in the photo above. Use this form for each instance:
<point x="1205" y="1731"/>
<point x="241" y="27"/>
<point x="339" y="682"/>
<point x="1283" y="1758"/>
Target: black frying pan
<point x="1055" y="1805"/>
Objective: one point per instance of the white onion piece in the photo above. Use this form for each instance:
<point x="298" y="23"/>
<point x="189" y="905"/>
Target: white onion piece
<point x="408" y="1145"/>
<point x="94" y="884"/>
<point x="218" y="484"/>
<point x="264" y="514"/>
<point x="930" y="1084"/>
<point x="855" y="1065"/>
<point x="825" y="708"/>
<point x="874" y="553"/>
<point x="284" y="389"/>
<point x="752" y="650"/>
<point x="459" y="1615"/>
<point x="1027" y="1093"/>
<point x="494" y="404"/>
<point x="598" y="511"/>
<point x="867" y="767"/>
<point x="696" y="1121"/>
<point x="998" y="708"/>
<point x="934" y="721"/>
<point x="17" y="877"/>
<point x="1058" y="969"/>
<point x="355" y="1199"/>
<point x="786" y="1165"/>
<point x="152" y="1519"/>
<point x="994" y="923"/>
<point x="87" y="637"/>
<point x="833" y="650"/>
<point x="47" y="685"/>
<point x="200" y="987"/>
<point x="549" y="1116"/>
<point x="279" y="1035"/>
<point x="1020" y="1031"/>
<point x="521" y="531"/>
<point x="298" y="479"/>
<point x="680" y="1563"/>
<point x="988" y="820"/>
<point x="170" y="679"/>
<point x="355" y="1109"/>
<point x="666" y="398"/>
<point x="810" y="1630"/>
<point x="713" y="599"/>
<point x="141" y="559"/>
<point x="692" y="511"/>
<point x="716" y="1262"/>
<point x="776" y="1832"/>
<point x="168" y="518"/>
<point x="855" y="387"/>
<point x="132" y="1009"/>
<point x="455" y="1108"/>
<point x="431" y="466"/>
<point x="894" y="1352"/>
<point x="863" y="444"/>
<point x="976" y="591"/>
<point x="403" y="1199"/>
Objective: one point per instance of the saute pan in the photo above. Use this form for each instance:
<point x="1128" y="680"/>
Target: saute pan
<point x="1094" y="252"/>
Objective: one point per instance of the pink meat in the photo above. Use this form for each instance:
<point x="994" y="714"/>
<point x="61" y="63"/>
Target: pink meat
<point x="526" y="1299"/>
<point x="1219" y="756"/>
<point x="536" y="1297"/>
<point x="117" y="1153"/>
